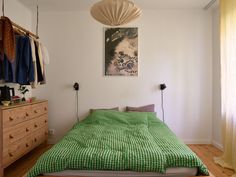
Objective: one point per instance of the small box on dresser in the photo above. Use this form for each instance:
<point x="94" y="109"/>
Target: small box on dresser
<point x="22" y="128"/>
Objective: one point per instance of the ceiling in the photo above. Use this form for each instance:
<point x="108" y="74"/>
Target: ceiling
<point x="74" y="5"/>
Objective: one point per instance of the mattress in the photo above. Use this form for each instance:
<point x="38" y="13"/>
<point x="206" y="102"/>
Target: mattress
<point x="170" y="172"/>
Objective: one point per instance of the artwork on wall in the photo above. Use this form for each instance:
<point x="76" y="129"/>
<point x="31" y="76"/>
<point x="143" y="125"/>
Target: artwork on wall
<point x="121" y="51"/>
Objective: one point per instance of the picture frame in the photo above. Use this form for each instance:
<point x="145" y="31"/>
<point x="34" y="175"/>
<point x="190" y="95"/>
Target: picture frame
<point x="121" y="51"/>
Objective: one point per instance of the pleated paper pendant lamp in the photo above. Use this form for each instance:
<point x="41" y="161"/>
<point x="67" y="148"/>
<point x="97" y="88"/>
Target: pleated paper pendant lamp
<point x="115" y="12"/>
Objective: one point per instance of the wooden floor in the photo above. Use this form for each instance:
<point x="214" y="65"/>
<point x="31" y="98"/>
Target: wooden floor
<point x="20" y="167"/>
<point x="205" y="152"/>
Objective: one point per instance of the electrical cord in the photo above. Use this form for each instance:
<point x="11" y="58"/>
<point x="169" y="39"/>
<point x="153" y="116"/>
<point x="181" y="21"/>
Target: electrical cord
<point x="77" y="105"/>
<point x="162" y="106"/>
<point x="76" y="88"/>
<point x="37" y="24"/>
<point x="3" y="8"/>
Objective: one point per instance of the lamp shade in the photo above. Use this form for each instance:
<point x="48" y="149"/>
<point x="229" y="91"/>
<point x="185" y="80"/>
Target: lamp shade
<point x="115" y="12"/>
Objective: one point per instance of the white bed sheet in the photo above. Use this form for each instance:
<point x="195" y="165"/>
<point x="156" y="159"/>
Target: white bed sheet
<point x="170" y="172"/>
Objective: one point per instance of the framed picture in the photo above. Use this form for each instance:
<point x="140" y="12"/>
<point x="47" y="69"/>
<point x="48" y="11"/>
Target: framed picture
<point x="121" y="51"/>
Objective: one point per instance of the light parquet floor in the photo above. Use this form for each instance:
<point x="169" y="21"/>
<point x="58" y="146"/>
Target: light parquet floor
<point x="206" y="154"/>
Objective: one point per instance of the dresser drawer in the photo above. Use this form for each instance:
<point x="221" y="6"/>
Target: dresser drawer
<point x="39" y="122"/>
<point x="13" y="134"/>
<point x="19" y="148"/>
<point x="15" y="116"/>
<point x="15" y="151"/>
<point x="39" y="136"/>
<point x="39" y="109"/>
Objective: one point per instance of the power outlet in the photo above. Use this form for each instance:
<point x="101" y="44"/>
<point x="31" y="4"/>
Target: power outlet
<point x="51" y="132"/>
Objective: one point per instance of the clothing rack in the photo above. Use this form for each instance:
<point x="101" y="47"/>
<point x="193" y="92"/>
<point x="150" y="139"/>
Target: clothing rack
<point x="21" y="29"/>
<point x="18" y="28"/>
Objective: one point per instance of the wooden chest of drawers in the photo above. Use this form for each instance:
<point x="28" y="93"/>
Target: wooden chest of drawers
<point x="22" y="127"/>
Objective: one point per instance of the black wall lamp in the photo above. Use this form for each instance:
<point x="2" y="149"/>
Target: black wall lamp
<point x="162" y="88"/>
<point x="76" y="86"/>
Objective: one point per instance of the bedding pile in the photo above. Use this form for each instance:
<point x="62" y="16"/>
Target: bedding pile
<point x="118" y="141"/>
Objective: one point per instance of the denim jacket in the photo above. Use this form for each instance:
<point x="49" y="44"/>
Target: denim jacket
<point x="24" y="62"/>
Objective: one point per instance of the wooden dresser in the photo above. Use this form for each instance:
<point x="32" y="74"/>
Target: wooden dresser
<point x="23" y="127"/>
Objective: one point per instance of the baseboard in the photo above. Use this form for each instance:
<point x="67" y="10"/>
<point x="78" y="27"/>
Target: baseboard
<point x="51" y="141"/>
<point x="197" y="141"/>
<point x="217" y="145"/>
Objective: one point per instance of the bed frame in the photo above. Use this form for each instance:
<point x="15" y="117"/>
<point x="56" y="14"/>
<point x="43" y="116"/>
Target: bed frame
<point x="87" y="176"/>
<point x="121" y="176"/>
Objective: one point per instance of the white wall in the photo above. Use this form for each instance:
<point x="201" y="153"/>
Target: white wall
<point x="216" y="94"/>
<point x="175" y="47"/>
<point x="21" y="15"/>
<point x="18" y="13"/>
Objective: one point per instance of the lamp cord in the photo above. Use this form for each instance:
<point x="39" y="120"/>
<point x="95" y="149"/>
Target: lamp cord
<point x="77" y="104"/>
<point x="37" y="19"/>
<point x="3" y="8"/>
<point x="162" y="106"/>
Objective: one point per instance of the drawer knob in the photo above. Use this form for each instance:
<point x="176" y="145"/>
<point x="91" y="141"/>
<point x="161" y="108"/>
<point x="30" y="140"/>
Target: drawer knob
<point x="10" y="154"/>
<point x="26" y="145"/>
<point x="45" y="121"/>
<point x="27" y="130"/>
<point x="11" y="137"/>
<point x="11" y="119"/>
<point x="35" y="139"/>
<point x="35" y="125"/>
<point x="35" y="111"/>
<point x="45" y="109"/>
<point x="26" y="114"/>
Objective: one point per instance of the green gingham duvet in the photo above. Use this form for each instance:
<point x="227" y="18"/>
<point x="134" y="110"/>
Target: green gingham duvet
<point x="115" y="141"/>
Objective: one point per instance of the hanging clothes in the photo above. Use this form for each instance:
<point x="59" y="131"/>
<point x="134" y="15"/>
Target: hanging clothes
<point x="2" y="75"/>
<point x="7" y="39"/>
<point x="45" y="53"/>
<point x="45" y="57"/>
<point x="25" y="64"/>
<point x="40" y="56"/>
<point x="39" y="69"/>
<point x="35" y="82"/>
<point x="24" y="61"/>
<point x="7" y="69"/>
<point x="20" y="70"/>
<point x="41" y="59"/>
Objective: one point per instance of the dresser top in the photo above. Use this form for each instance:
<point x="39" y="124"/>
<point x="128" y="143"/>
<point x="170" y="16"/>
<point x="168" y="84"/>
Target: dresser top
<point x="21" y="104"/>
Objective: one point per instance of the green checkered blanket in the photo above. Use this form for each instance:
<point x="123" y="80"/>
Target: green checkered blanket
<point x="115" y="141"/>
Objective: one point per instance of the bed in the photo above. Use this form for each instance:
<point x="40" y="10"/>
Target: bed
<point x="112" y="143"/>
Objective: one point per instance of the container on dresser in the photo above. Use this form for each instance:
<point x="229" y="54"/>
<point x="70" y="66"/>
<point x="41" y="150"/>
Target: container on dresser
<point x="22" y="128"/>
